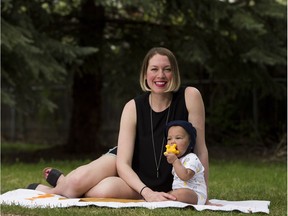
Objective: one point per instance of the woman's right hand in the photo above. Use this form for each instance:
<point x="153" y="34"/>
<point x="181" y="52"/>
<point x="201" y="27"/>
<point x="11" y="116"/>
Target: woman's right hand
<point x="155" y="196"/>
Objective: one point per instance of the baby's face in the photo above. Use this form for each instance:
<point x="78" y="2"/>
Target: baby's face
<point x="178" y="135"/>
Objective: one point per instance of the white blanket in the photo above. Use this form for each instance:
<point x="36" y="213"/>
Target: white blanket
<point x="32" y="199"/>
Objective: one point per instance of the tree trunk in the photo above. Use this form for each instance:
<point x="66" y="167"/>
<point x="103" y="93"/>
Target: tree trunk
<point x="86" y="90"/>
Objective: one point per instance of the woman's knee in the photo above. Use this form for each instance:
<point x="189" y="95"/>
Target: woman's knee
<point x="87" y="177"/>
<point x="103" y="189"/>
<point x="94" y="172"/>
<point x="112" y="187"/>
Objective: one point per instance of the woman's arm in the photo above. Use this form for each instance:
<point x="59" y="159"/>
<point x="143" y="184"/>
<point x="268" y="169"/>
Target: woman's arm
<point x="196" y="116"/>
<point x="126" y="142"/>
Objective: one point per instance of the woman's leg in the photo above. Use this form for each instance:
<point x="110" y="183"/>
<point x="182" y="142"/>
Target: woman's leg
<point x="113" y="187"/>
<point x="185" y="195"/>
<point x="82" y="179"/>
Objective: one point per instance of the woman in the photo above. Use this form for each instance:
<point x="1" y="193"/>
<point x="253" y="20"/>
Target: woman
<point x="141" y="170"/>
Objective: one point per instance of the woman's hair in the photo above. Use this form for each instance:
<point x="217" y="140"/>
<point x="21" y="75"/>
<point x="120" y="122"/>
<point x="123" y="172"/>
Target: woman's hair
<point x="175" y="82"/>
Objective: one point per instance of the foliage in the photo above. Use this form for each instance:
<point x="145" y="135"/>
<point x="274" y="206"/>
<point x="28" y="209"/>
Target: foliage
<point x="32" y="60"/>
<point x="237" y="47"/>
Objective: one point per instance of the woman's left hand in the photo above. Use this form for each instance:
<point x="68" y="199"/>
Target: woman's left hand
<point x="155" y="196"/>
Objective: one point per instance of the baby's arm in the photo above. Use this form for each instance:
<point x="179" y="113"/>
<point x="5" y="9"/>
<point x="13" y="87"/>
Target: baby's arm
<point x="183" y="173"/>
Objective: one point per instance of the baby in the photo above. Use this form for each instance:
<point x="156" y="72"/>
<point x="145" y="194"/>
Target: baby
<point x="188" y="184"/>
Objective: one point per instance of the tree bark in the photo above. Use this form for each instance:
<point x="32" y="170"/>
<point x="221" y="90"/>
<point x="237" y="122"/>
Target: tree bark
<point x="87" y="84"/>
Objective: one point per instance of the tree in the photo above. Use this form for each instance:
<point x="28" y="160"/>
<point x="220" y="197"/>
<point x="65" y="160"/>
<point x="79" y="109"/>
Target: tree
<point x="237" y="47"/>
<point x="87" y="83"/>
<point x="31" y="58"/>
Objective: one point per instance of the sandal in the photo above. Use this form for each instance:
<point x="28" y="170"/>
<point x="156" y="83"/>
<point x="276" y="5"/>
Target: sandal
<point x="32" y="186"/>
<point x="52" y="176"/>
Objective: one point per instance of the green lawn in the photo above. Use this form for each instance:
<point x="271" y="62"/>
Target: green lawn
<point x="229" y="180"/>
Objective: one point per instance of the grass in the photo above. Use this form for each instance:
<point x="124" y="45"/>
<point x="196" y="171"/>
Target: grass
<point x="21" y="147"/>
<point x="229" y="180"/>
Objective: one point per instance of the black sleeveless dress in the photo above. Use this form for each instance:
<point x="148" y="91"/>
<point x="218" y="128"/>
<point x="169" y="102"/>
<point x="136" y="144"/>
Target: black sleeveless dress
<point x="143" y="158"/>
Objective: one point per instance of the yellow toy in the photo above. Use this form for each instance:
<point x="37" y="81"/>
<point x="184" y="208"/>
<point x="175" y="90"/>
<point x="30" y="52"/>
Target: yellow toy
<point x="171" y="149"/>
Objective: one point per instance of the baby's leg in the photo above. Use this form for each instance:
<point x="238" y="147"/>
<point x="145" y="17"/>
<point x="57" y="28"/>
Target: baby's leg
<point x="185" y="195"/>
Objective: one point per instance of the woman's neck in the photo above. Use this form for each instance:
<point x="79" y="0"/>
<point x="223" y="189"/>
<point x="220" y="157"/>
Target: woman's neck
<point x="160" y="102"/>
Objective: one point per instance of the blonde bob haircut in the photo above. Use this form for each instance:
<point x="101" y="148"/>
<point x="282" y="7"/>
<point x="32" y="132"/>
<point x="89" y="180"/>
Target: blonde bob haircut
<point x="175" y="82"/>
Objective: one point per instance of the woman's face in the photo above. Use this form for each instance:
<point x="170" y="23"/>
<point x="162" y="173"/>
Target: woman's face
<point x="159" y="73"/>
<point x="178" y="135"/>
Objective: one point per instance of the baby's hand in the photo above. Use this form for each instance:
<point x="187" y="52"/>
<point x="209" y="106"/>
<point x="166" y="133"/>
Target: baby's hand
<point x="171" y="152"/>
<point x="170" y="157"/>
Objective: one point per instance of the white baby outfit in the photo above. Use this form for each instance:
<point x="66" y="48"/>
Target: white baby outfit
<point x="197" y="182"/>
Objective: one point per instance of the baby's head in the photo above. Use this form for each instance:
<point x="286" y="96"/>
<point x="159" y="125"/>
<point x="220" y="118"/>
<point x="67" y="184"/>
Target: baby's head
<point x="181" y="133"/>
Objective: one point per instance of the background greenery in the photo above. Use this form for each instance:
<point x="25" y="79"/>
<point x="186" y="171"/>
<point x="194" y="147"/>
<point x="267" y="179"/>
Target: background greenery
<point x="70" y="65"/>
